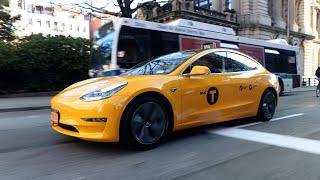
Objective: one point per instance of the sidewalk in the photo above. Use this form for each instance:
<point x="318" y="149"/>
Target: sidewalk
<point x="305" y="88"/>
<point x="24" y="103"/>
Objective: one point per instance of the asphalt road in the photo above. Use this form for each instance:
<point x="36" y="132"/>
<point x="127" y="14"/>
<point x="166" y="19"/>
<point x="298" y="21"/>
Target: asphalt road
<point x="286" y="148"/>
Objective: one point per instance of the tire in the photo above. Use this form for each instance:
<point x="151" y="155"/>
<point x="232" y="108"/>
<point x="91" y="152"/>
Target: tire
<point x="145" y="123"/>
<point x="267" y="106"/>
<point x="318" y="91"/>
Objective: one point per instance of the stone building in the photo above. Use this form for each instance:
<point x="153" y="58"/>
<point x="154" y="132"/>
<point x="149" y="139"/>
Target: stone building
<point x="297" y="21"/>
<point x="293" y="20"/>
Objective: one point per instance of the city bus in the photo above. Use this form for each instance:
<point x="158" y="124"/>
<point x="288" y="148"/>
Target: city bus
<point x="122" y="43"/>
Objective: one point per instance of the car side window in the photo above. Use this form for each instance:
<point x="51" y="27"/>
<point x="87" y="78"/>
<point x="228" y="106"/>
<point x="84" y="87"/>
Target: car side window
<point x="237" y="63"/>
<point x="214" y="61"/>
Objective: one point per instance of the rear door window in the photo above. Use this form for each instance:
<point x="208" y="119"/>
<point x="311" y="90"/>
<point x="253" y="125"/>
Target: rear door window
<point x="237" y="63"/>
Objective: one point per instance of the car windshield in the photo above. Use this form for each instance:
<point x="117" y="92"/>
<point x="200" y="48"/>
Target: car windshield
<point x="161" y="65"/>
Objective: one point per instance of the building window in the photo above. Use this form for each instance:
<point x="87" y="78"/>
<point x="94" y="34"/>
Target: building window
<point x="39" y="9"/>
<point x="39" y="22"/>
<point x="48" y="10"/>
<point x="78" y="28"/>
<point x="20" y="4"/>
<point x="48" y="24"/>
<point x="285" y="10"/>
<point x="207" y="4"/>
<point x="229" y="4"/>
<point x="55" y="25"/>
<point x="63" y="26"/>
<point x="84" y="29"/>
<point x="318" y="23"/>
<point x="30" y="8"/>
<point x="30" y="21"/>
<point x="299" y="13"/>
<point x="70" y="27"/>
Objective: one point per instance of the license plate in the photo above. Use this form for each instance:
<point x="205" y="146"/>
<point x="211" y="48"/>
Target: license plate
<point x="54" y="117"/>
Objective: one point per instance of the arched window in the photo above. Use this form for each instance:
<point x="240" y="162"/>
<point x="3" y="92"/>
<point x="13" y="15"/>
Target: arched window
<point x="270" y="5"/>
<point x="318" y="22"/>
<point x="299" y="13"/>
<point x="228" y="4"/>
<point x="285" y="10"/>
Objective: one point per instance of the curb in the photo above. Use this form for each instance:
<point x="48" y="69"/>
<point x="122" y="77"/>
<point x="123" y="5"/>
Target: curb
<point x="32" y="94"/>
<point x="303" y="90"/>
<point x="24" y="109"/>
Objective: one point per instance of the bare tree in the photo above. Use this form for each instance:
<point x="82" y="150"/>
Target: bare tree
<point x="124" y="5"/>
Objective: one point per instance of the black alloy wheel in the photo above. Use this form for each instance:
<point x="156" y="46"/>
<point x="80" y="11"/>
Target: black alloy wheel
<point x="267" y="106"/>
<point x="148" y="123"/>
<point x="145" y="123"/>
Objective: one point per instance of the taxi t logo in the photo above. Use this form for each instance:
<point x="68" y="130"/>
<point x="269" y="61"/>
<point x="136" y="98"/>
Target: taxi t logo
<point x="212" y="95"/>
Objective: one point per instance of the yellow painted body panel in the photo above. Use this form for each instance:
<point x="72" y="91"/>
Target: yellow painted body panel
<point x="189" y="102"/>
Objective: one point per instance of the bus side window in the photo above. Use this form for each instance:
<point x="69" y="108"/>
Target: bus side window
<point x="133" y="45"/>
<point x="138" y="45"/>
<point x="281" y="61"/>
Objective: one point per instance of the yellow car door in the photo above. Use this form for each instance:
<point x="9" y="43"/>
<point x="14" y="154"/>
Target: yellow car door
<point x="205" y="98"/>
<point x="243" y="74"/>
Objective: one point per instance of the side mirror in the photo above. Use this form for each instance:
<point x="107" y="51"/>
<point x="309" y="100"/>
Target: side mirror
<point x="199" y="70"/>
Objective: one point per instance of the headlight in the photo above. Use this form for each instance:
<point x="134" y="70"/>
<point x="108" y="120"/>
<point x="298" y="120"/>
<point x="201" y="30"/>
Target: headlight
<point x="103" y="93"/>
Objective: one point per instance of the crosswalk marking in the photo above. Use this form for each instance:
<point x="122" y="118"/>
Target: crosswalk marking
<point x="284" y="141"/>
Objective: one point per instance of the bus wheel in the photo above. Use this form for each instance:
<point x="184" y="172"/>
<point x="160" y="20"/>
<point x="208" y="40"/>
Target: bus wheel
<point x="281" y="87"/>
<point x="267" y="106"/>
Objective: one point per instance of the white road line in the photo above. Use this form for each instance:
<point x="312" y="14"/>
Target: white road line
<point x="275" y="119"/>
<point x="286" y="117"/>
<point x="247" y="125"/>
<point x="284" y="141"/>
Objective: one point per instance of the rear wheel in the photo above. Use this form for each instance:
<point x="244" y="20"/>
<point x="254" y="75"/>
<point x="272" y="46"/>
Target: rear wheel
<point x="267" y="106"/>
<point x="318" y="91"/>
<point x="145" y="123"/>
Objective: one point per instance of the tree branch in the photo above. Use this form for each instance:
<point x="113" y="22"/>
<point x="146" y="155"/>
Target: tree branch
<point x="146" y="3"/>
<point x="86" y="6"/>
<point x="121" y="5"/>
<point x="102" y="11"/>
<point x="99" y="10"/>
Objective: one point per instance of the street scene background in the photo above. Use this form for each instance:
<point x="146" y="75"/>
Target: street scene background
<point x="45" y="46"/>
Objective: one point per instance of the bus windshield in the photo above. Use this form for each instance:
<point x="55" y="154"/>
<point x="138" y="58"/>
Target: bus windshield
<point x="161" y="65"/>
<point x="102" y="46"/>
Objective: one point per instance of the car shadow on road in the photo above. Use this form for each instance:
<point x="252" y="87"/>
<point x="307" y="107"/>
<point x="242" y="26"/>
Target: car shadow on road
<point x="182" y="135"/>
<point x="201" y="130"/>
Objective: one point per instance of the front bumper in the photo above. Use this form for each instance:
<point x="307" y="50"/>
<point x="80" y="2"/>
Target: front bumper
<point x="73" y="110"/>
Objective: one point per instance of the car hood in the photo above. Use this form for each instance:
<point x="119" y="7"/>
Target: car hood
<point x="84" y="87"/>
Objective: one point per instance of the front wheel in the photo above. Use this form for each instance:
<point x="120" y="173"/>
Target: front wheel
<point x="267" y="106"/>
<point x="145" y="123"/>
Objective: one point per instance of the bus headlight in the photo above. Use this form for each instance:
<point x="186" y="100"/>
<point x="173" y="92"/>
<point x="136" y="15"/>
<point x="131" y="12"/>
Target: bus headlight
<point x="103" y="93"/>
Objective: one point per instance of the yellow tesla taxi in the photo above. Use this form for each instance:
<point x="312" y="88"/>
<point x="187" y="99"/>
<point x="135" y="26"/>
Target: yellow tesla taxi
<point x="173" y="92"/>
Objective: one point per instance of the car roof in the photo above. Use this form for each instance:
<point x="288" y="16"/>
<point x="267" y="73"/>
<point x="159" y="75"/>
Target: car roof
<point x="224" y="49"/>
